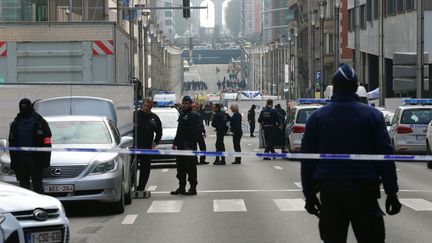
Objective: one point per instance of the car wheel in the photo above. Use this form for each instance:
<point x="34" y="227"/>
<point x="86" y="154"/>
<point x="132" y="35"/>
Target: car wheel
<point x="128" y="196"/>
<point x="119" y="206"/>
<point x="429" y="164"/>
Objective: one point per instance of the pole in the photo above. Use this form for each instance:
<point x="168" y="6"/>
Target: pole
<point x="140" y="52"/>
<point x="310" y="43"/>
<point x="296" y="69"/>
<point x="420" y="49"/>
<point x="119" y="13"/>
<point x="70" y="11"/>
<point x="357" y="61"/>
<point x="337" y="37"/>
<point x="85" y="16"/>
<point x="131" y="45"/>
<point x="381" y="57"/>
<point x="322" y="58"/>
<point x="146" y="70"/>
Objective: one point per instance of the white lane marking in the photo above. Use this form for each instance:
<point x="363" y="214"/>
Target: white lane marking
<point x="129" y="219"/>
<point x="397" y="169"/>
<point x="256" y="150"/>
<point x="417" y="204"/>
<point x="151" y="188"/>
<point x="298" y="184"/>
<point x="173" y="206"/>
<point x="271" y="190"/>
<point x="164" y="170"/>
<point x="244" y="140"/>
<point x="285" y="205"/>
<point x="277" y="167"/>
<point x="229" y="205"/>
<point x="249" y="144"/>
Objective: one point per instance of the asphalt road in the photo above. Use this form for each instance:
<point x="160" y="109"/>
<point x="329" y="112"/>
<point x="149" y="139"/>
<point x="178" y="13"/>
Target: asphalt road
<point x="206" y="73"/>
<point x="257" y="201"/>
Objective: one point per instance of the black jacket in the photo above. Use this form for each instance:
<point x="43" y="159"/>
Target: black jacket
<point x="41" y="138"/>
<point x="219" y="121"/>
<point x="251" y="115"/>
<point x="148" y="125"/>
<point x="187" y="131"/>
<point x="236" y="123"/>
<point x="269" y="117"/>
<point x="201" y="125"/>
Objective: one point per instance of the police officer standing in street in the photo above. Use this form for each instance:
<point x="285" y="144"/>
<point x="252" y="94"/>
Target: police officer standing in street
<point x="219" y="122"/>
<point x="269" y="120"/>
<point x="201" y="135"/>
<point x="29" y="129"/>
<point x="149" y="131"/>
<point x="252" y="120"/>
<point x="236" y="129"/>
<point x="349" y="189"/>
<point x="186" y="139"/>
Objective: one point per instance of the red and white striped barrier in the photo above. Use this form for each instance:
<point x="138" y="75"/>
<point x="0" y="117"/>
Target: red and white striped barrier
<point x="3" y="49"/>
<point x="105" y="47"/>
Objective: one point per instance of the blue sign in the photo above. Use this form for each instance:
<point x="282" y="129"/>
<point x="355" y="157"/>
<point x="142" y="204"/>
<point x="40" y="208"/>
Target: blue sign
<point x="318" y="76"/>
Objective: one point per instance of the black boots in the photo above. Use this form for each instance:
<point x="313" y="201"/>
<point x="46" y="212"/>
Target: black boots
<point x="180" y="191"/>
<point x="220" y="162"/>
<point x="192" y="191"/>
<point x="237" y="161"/>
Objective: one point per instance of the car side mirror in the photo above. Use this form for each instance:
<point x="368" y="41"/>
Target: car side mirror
<point x="126" y="141"/>
<point x="4" y="143"/>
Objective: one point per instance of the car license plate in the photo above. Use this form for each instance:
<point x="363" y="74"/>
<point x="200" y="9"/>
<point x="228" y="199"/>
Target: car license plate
<point x="59" y="188"/>
<point x="45" y="237"/>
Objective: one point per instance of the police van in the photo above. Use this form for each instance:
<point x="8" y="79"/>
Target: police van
<point x="409" y="126"/>
<point x="296" y="122"/>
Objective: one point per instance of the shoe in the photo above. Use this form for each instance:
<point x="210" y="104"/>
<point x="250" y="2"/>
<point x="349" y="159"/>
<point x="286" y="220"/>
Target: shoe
<point x="204" y="163"/>
<point x="266" y="158"/>
<point x="140" y="188"/>
<point x="236" y="163"/>
<point x="219" y="163"/>
<point x="179" y="191"/>
<point x="192" y="191"/>
<point x="252" y="136"/>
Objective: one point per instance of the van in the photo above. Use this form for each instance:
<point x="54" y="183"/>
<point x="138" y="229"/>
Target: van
<point x="361" y="92"/>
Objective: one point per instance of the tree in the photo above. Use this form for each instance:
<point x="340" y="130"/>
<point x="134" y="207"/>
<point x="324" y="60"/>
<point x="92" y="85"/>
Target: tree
<point x="232" y="16"/>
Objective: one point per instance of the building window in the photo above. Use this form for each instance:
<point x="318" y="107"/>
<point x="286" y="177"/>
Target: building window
<point x="350" y="19"/>
<point x="409" y="5"/>
<point x="369" y="10"/>
<point x="168" y="22"/>
<point x="329" y="44"/>
<point x="390" y="7"/>
<point x="363" y="16"/>
<point x="168" y="14"/>
<point x="400" y="6"/>
<point x="375" y="9"/>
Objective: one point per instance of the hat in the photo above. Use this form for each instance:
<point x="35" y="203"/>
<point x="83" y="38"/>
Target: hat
<point x="345" y="75"/>
<point x="187" y="98"/>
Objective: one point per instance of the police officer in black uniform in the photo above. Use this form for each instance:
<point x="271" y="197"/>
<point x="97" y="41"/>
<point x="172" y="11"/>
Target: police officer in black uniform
<point x="269" y="120"/>
<point x="201" y="135"/>
<point x="251" y="119"/>
<point x="349" y="189"/>
<point x="148" y="125"/>
<point x="186" y="139"/>
<point x="219" y="122"/>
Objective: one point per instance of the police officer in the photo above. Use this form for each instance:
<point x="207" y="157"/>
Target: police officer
<point x="186" y="139"/>
<point x="201" y="134"/>
<point x="252" y="120"/>
<point x="269" y="120"/>
<point x="236" y="129"/>
<point x="219" y="122"/>
<point x="29" y="129"/>
<point x="349" y="189"/>
<point x="148" y="125"/>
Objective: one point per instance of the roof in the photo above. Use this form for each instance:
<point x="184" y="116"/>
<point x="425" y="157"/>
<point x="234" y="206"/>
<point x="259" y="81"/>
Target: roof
<point x="75" y="118"/>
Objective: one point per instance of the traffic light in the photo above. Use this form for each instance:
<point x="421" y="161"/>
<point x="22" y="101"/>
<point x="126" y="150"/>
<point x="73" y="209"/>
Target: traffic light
<point x="186" y="12"/>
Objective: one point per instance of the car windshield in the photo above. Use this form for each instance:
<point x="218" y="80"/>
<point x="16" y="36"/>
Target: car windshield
<point x="416" y="116"/>
<point x="304" y="114"/>
<point x="79" y="132"/>
<point x="168" y="119"/>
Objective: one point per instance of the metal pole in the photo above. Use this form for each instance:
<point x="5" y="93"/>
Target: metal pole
<point x="297" y="82"/>
<point x="357" y="61"/>
<point x="310" y="74"/>
<point x="313" y="61"/>
<point x="132" y="44"/>
<point x="322" y="58"/>
<point x="119" y="13"/>
<point x="337" y="37"/>
<point x="146" y="70"/>
<point x="85" y="16"/>
<point x="273" y="70"/>
<point x="261" y="70"/>
<point x="420" y="49"/>
<point x="140" y="51"/>
<point x="381" y="57"/>
<point x="70" y="11"/>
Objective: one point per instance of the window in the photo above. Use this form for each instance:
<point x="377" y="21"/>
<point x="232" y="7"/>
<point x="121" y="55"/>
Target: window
<point x="115" y="132"/>
<point x="304" y="114"/>
<point x="409" y="5"/>
<point x="416" y="116"/>
<point x="390" y="7"/>
<point x="168" y="14"/>
<point x="375" y="9"/>
<point x="363" y="16"/>
<point x="350" y="19"/>
<point x="400" y="6"/>
<point x="329" y="44"/>
<point x="369" y="10"/>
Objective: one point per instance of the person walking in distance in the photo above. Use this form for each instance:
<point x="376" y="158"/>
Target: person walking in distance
<point x="236" y="129"/>
<point x="269" y="120"/>
<point x="219" y="122"/>
<point x="29" y="129"/>
<point x="186" y="139"/>
<point x="149" y="132"/>
<point x="252" y="120"/>
<point x="349" y="189"/>
<point x="201" y="135"/>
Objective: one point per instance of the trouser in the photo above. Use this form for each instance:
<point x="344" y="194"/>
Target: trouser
<point x="252" y="127"/>
<point x="35" y="174"/>
<point x="186" y="167"/>
<point x="220" y="146"/>
<point x="202" y="146"/>
<point x="343" y="203"/>
<point x="144" y="167"/>
<point x="236" y="142"/>
<point x="268" y="137"/>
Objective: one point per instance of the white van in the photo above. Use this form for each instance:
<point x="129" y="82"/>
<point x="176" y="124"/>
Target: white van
<point x="361" y="92"/>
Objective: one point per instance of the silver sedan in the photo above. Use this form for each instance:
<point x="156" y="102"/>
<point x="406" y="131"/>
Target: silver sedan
<point x="85" y="176"/>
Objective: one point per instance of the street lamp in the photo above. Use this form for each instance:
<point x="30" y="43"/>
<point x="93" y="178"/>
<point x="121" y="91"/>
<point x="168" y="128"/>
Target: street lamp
<point x="145" y="24"/>
<point x="337" y="32"/>
<point x="313" y="14"/>
<point x="322" y="13"/>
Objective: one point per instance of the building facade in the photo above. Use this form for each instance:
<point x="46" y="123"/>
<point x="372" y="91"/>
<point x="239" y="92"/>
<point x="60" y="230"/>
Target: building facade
<point x="251" y="20"/>
<point x="276" y="17"/>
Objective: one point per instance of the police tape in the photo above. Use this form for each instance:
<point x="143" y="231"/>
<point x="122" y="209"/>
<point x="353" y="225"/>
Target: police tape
<point x="291" y="156"/>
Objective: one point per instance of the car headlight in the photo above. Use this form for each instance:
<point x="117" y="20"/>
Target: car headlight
<point x="105" y="167"/>
<point x="5" y="169"/>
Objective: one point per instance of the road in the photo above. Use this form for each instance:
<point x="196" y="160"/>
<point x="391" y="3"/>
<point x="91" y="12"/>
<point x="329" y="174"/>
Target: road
<point x="206" y="73"/>
<point x="257" y="201"/>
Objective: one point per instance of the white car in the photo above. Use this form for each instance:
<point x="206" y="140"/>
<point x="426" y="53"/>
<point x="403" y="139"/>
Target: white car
<point x="429" y="143"/>
<point x="296" y="122"/>
<point x="409" y="126"/>
<point x="169" y="119"/>
<point x="26" y="216"/>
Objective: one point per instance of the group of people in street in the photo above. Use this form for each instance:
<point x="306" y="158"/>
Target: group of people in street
<point x="231" y="84"/>
<point x="194" y="85"/>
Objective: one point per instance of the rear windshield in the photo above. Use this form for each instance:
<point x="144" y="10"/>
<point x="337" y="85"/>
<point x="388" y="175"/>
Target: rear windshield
<point x="80" y="132"/>
<point x="303" y="115"/>
<point x="416" y="116"/>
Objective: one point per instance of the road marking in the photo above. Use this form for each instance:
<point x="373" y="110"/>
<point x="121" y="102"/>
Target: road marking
<point x="298" y="184"/>
<point x="151" y="188"/>
<point x="277" y="167"/>
<point x="229" y="205"/>
<point x="397" y="169"/>
<point x="249" y="144"/>
<point x="256" y="150"/>
<point x="173" y="206"/>
<point x="164" y="170"/>
<point x="285" y="205"/>
<point x="417" y="204"/>
<point x="272" y="190"/>
<point x="244" y="140"/>
<point x="129" y="219"/>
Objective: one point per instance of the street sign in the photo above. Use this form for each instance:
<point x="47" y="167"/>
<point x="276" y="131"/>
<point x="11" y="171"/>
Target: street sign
<point x="318" y="76"/>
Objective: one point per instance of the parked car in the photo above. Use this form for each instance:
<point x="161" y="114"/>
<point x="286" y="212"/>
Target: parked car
<point x="26" y="216"/>
<point x="169" y="118"/>
<point x="85" y="176"/>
